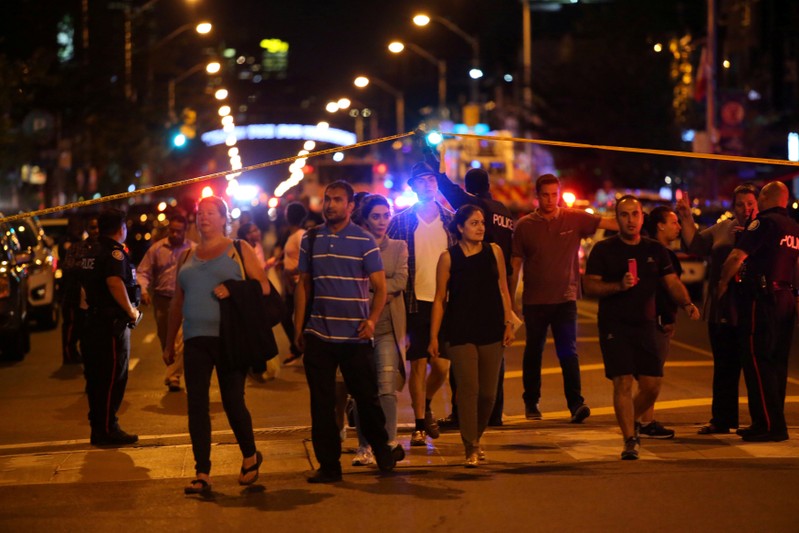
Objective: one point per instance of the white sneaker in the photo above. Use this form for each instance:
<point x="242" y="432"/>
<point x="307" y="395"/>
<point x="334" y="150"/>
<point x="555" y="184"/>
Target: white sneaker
<point x="363" y="457"/>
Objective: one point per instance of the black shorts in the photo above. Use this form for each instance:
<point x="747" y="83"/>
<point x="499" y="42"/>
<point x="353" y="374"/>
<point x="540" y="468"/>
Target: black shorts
<point x="418" y="326"/>
<point x="631" y="349"/>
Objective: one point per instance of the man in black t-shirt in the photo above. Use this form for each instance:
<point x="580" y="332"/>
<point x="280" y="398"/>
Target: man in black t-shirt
<point x="624" y="272"/>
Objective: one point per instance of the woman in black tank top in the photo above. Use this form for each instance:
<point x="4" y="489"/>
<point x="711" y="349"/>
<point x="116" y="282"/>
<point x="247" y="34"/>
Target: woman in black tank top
<point x="475" y="323"/>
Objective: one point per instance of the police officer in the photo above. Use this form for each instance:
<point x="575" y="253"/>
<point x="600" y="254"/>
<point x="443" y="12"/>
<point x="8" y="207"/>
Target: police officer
<point x="499" y="230"/>
<point x="766" y="309"/>
<point x="112" y="294"/>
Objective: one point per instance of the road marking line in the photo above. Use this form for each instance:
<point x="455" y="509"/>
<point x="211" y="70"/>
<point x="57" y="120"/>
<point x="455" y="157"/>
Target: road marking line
<point x="551" y="341"/>
<point x="150" y="337"/>
<point x="589" y="368"/>
<point x="692" y="348"/>
<point x="133" y="362"/>
<point x="660" y="405"/>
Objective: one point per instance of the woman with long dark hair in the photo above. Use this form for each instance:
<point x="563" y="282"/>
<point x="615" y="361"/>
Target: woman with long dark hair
<point x="472" y="311"/>
<point x="389" y="336"/>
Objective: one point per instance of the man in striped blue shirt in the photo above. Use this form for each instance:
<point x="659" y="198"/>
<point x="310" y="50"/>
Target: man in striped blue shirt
<point x="339" y="270"/>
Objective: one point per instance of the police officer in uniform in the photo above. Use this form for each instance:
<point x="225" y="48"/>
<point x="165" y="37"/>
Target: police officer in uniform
<point x="499" y="230"/>
<point x="112" y="294"/>
<point x="766" y="302"/>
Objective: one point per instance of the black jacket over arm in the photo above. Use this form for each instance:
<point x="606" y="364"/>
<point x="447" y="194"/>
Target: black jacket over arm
<point x="246" y="339"/>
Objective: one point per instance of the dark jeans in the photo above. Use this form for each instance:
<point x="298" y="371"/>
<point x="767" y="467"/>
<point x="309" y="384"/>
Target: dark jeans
<point x="726" y="374"/>
<point x="357" y="365"/>
<point x="200" y="356"/>
<point x="766" y="328"/>
<point x="563" y="320"/>
<point x="105" y="366"/>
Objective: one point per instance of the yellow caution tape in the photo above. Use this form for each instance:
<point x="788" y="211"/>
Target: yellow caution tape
<point x="190" y="181"/>
<point x="651" y="151"/>
<point x="563" y="144"/>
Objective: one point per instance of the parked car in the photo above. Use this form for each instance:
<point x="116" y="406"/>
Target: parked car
<point x="38" y="256"/>
<point x="14" y="334"/>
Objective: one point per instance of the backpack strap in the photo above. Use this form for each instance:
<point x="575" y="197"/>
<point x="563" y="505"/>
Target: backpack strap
<point x="311" y="233"/>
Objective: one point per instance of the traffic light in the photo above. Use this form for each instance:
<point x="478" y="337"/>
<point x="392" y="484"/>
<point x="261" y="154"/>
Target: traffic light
<point x="188" y="128"/>
<point x="179" y="140"/>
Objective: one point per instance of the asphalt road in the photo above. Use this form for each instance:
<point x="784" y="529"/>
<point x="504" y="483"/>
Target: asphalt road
<point x="547" y="475"/>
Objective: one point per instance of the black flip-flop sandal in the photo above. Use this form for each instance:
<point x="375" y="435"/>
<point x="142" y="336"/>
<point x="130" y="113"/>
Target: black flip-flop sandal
<point x="204" y="488"/>
<point x="254" y="468"/>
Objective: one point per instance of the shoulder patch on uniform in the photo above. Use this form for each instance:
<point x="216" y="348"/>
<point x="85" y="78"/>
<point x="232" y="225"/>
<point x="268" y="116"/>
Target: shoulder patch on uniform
<point x="753" y="225"/>
<point x="118" y="255"/>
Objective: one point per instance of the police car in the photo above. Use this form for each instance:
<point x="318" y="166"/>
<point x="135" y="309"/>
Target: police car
<point x="35" y="253"/>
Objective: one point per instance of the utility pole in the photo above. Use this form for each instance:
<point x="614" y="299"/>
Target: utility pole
<point x="710" y="111"/>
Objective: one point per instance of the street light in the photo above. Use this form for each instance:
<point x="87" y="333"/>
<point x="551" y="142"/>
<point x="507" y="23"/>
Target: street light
<point x="343" y="104"/>
<point x="399" y="99"/>
<point x="422" y="19"/>
<point x="221" y="94"/>
<point x="397" y="47"/>
<point x="211" y="68"/>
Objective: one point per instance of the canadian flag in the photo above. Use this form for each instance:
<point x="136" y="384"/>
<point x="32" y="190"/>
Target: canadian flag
<point x="700" y="85"/>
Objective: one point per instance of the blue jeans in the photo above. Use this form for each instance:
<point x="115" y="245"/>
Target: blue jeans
<point x="386" y="357"/>
<point x="562" y="318"/>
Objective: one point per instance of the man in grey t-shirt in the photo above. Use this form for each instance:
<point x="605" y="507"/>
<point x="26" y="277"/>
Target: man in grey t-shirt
<point x="545" y="246"/>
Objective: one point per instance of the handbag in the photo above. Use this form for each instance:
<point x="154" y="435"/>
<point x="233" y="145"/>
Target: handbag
<point x="274" y="307"/>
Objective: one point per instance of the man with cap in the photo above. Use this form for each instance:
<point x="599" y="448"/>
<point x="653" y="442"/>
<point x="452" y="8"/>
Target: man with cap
<point x="766" y="300"/>
<point x="424" y="227"/>
<point x="499" y="230"/>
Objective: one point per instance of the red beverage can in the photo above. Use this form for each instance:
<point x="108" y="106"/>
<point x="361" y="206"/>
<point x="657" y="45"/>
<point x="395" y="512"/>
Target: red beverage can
<point x="632" y="268"/>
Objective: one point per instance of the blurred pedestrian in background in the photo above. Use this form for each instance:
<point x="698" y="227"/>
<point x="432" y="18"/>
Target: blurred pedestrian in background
<point x="472" y="311"/>
<point x="73" y="300"/>
<point x="251" y="234"/>
<point x="289" y="272"/>
<point x="157" y="272"/>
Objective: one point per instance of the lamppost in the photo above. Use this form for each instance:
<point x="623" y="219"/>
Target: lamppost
<point x="399" y="99"/>
<point x="211" y="68"/>
<point x="397" y="47"/>
<point x="203" y="28"/>
<point x="130" y="13"/>
<point x="475" y="74"/>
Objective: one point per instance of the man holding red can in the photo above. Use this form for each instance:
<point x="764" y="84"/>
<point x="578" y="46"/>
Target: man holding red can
<point x="624" y="272"/>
